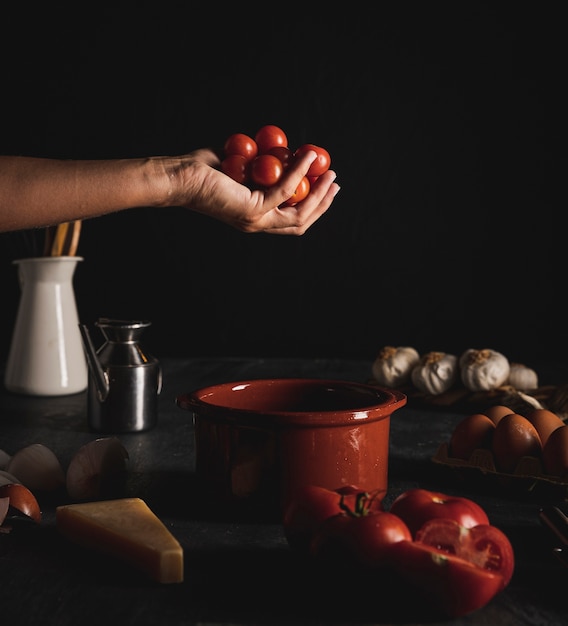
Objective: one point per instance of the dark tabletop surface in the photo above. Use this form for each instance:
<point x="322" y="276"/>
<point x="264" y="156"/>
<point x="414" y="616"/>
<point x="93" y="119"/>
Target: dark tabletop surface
<point x="239" y="569"/>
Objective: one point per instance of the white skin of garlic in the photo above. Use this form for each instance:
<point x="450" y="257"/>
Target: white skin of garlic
<point x="522" y="377"/>
<point x="393" y="365"/>
<point x="483" y="370"/>
<point x="435" y="373"/>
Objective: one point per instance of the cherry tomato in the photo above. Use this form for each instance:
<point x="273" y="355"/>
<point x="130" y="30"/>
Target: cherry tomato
<point x="310" y="506"/>
<point x="270" y="141"/>
<point x="266" y="170"/>
<point x="283" y="153"/>
<point x="417" y="506"/>
<point x="302" y="190"/>
<point x="239" y="143"/>
<point x="322" y="162"/>
<point x="353" y="539"/>
<point x="448" y="583"/>
<point x="484" y="545"/>
<point x="237" y="167"/>
<point x="268" y="137"/>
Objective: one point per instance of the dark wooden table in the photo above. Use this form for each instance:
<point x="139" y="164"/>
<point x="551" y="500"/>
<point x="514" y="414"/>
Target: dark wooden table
<point x="240" y="570"/>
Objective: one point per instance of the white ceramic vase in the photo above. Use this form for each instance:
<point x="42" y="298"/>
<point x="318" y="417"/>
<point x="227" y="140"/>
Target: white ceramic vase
<point x="46" y="355"/>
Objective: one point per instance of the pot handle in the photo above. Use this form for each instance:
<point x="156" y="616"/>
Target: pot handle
<point x="187" y="402"/>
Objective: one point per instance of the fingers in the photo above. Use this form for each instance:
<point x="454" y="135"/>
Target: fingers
<point x="261" y="211"/>
<point x="296" y="220"/>
<point x="287" y="185"/>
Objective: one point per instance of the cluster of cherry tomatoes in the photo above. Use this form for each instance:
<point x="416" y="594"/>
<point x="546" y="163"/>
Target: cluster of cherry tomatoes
<point x="260" y="161"/>
<point x="444" y="546"/>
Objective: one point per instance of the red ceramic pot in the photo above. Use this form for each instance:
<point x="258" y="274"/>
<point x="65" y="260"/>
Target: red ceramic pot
<point x="258" y="440"/>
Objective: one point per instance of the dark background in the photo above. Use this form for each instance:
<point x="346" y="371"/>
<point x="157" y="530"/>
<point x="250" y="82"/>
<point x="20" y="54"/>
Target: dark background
<point x="442" y="121"/>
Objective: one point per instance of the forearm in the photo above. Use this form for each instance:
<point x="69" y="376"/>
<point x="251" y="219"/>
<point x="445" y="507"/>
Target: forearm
<point x="39" y="192"/>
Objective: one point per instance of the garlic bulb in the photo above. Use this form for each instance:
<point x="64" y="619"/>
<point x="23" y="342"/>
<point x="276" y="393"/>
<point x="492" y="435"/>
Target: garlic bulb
<point x="522" y="377"/>
<point x="483" y="370"/>
<point x="435" y="373"/>
<point x="393" y="366"/>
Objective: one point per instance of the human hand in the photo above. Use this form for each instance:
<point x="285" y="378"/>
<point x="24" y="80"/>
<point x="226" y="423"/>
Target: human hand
<point x="199" y="185"/>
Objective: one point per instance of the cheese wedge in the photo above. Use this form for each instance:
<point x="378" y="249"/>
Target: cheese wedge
<point x="126" y="529"/>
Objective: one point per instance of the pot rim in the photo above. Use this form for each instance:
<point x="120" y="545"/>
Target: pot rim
<point x="203" y="405"/>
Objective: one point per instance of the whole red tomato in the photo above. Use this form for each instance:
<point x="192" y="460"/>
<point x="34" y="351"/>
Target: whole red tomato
<point x="266" y="170"/>
<point x="268" y="137"/>
<point x="237" y="167"/>
<point x="449" y="584"/>
<point x="311" y="505"/>
<point x="484" y="545"/>
<point x="239" y="143"/>
<point x="302" y="191"/>
<point x="322" y="162"/>
<point x="358" y="539"/>
<point x="417" y="506"/>
<point x="283" y="153"/>
<point x="267" y="155"/>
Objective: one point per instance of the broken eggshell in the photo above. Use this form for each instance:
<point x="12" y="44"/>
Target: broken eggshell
<point x="96" y="469"/>
<point x="21" y="502"/>
<point x="37" y="467"/>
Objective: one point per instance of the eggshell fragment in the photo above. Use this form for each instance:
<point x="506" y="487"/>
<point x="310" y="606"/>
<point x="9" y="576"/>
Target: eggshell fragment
<point x="96" y="468"/>
<point x="471" y="433"/>
<point x="37" y="467"/>
<point x="6" y="478"/>
<point x="4" y="506"/>
<point x="514" y="438"/>
<point x="4" y="459"/>
<point x="22" y="500"/>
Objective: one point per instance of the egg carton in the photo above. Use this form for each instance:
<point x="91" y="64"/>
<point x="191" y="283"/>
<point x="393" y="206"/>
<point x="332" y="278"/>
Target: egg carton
<point x="527" y="475"/>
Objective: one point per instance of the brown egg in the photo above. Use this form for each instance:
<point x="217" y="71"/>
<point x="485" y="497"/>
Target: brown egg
<point x="496" y="412"/>
<point x="545" y="422"/>
<point x="555" y="453"/>
<point x="472" y="432"/>
<point x="514" y="438"/>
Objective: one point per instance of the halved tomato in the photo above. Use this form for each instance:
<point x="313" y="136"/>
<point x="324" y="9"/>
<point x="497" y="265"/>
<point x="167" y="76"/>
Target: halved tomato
<point x="417" y="506"/>
<point x="448" y="583"/>
<point x="484" y="546"/>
